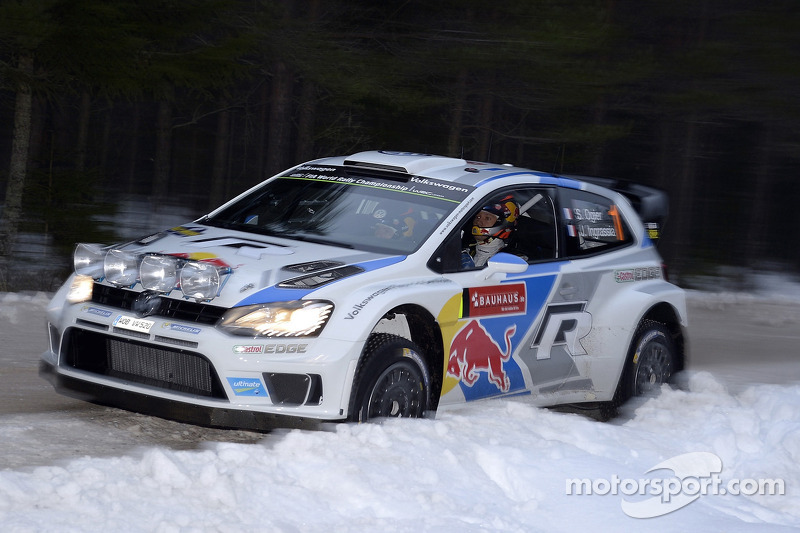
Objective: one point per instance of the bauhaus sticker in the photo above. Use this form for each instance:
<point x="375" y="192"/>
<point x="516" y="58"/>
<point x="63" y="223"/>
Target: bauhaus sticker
<point x="506" y="299"/>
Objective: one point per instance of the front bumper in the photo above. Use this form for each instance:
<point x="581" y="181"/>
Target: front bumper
<point x="183" y="368"/>
<point x="182" y="411"/>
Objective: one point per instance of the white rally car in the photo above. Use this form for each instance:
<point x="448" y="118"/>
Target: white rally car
<point x="351" y="288"/>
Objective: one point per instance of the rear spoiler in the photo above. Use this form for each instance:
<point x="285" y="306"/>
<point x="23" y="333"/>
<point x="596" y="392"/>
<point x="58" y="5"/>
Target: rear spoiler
<point x="650" y="203"/>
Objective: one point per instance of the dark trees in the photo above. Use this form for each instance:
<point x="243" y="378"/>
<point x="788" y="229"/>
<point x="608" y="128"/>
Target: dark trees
<point x="192" y="102"/>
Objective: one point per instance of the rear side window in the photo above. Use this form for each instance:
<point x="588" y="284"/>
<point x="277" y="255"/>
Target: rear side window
<point x="591" y="223"/>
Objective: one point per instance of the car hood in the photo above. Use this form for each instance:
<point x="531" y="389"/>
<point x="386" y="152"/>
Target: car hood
<point x="257" y="268"/>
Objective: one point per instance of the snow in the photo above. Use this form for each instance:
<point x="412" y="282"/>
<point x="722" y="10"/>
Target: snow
<point x="498" y="465"/>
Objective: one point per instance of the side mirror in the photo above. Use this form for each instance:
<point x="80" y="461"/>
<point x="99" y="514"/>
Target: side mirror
<point x="506" y="263"/>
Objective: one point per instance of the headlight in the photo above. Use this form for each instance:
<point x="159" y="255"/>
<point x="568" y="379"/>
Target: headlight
<point x="281" y="319"/>
<point x="88" y="260"/>
<point x="199" y="280"/>
<point x="80" y="290"/>
<point x="121" y="268"/>
<point x="159" y="272"/>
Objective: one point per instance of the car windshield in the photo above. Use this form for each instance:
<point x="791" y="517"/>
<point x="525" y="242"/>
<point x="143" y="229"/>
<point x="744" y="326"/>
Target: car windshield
<point x="331" y="205"/>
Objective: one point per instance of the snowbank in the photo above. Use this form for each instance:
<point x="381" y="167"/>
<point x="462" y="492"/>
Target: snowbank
<point x="491" y="466"/>
<point x="494" y="466"/>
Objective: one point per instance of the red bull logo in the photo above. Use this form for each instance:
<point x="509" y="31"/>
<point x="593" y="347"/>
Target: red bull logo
<point x="473" y="351"/>
<point x="205" y="258"/>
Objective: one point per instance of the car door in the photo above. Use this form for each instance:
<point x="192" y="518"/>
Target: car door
<point x="512" y="332"/>
<point x="559" y="353"/>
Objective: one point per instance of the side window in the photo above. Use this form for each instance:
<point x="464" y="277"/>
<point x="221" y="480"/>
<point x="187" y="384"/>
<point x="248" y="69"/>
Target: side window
<point x="535" y="236"/>
<point x="591" y="223"/>
<point x="517" y="221"/>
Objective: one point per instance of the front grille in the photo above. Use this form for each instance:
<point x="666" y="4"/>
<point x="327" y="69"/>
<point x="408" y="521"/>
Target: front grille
<point x="90" y="324"/>
<point x="178" y="342"/>
<point x="129" y="360"/>
<point x="183" y="310"/>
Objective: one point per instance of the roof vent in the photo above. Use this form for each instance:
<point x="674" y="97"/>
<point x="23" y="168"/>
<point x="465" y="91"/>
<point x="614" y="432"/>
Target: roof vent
<point x="405" y="162"/>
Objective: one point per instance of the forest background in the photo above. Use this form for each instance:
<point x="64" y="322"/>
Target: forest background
<point x="186" y="103"/>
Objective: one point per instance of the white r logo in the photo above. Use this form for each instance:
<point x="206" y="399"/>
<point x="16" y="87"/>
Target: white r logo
<point x="562" y="324"/>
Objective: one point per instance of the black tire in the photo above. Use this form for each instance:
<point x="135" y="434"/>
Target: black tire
<point x="392" y="380"/>
<point x="651" y="360"/>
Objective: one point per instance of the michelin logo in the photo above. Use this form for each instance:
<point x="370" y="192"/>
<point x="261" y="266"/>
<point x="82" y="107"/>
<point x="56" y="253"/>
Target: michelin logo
<point x="180" y="327"/>
<point x="247" y="387"/>
<point x="96" y="311"/>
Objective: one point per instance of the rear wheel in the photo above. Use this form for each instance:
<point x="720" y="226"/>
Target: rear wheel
<point x="651" y="360"/>
<point x="392" y="380"/>
<point x="650" y="363"/>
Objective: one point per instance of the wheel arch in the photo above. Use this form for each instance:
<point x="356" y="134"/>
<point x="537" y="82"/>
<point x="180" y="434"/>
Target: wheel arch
<point x="418" y="325"/>
<point x="666" y="314"/>
<point x="662" y="313"/>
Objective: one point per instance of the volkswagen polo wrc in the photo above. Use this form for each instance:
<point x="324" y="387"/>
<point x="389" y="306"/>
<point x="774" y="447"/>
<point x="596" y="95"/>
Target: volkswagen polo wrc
<point x="376" y="285"/>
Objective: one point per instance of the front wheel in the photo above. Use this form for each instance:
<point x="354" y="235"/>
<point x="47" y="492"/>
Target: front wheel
<point x="392" y="380"/>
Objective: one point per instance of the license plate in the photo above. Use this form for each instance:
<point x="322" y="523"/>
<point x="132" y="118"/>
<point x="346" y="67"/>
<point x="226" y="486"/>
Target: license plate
<point x="133" y="324"/>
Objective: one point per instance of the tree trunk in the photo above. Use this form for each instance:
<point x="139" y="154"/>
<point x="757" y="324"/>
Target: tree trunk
<point x="106" y="145"/>
<point x="12" y="211"/>
<point x="163" y="159"/>
<point x="133" y="150"/>
<point x="598" y="150"/>
<point x="455" y="147"/>
<point x="279" y="118"/>
<point x="756" y="246"/>
<point x="40" y="144"/>
<point x="83" y="131"/>
<point x="486" y="131"/>
<point x="308" y="104"/>
<point x="684" y="200"/>
<point x="664" y="153"/>
<point x="305" y="121"/>
<point x="263" y="127"/>
<point x="218" y="171"/>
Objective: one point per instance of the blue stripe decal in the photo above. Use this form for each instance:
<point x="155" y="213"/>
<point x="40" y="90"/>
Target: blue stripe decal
<point x="273" y="294"/>
<point x="277" y="294"/>
<point x="544" y="179"/>
<point x="375" y="264"/>
<point x="552" y="267"/>
<point x="508" y="175"/>
<point x="565" y="182"/>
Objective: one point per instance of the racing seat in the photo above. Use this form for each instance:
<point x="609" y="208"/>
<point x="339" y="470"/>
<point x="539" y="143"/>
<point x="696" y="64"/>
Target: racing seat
<point x="533" y="239"/>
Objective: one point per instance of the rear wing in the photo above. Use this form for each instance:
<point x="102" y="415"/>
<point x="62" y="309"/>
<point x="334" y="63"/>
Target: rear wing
<point x="650" y="203"/>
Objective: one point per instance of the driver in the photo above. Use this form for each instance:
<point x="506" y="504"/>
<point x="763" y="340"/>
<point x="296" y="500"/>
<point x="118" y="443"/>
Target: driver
<point x="393" y="225"/>
<point x="492" y="228"/>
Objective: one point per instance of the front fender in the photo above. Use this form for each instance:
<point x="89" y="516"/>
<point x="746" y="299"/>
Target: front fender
<point x="357" y="314"/>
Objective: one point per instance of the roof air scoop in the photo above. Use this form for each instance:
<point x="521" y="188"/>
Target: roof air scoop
<point x="405" y="162"/>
